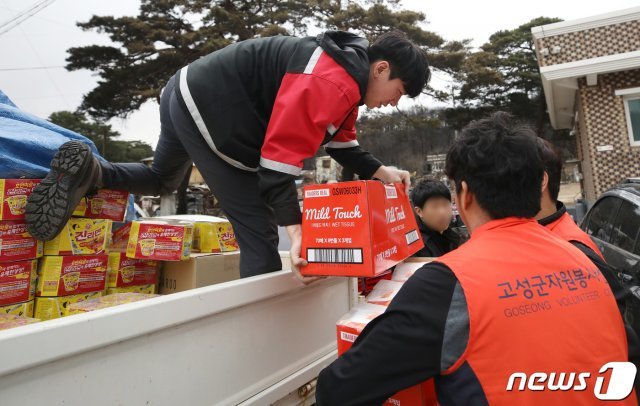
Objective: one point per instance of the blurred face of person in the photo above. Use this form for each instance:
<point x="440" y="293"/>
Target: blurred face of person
<point x="436" y="213"/>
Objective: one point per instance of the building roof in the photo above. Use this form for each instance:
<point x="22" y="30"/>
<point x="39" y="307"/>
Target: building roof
<point x="560" y="80"/>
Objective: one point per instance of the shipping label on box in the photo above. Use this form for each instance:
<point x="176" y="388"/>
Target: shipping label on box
<point x="70" y="275"/>
<point x="146" y="289"/>
<point x="81" y="236"/>
<point x="360" y="228"/>
<point x="16" y="244"/>
<point x="47" y="308"/>
<point x="17" y="281"/>
<point x="200" y="270"/>
<point x="13" y="197"/>
<point x="104" y="204"/>
<point x="21" y="309"/>
<point x="162" y="240"/>
<point x="124" y="271"/>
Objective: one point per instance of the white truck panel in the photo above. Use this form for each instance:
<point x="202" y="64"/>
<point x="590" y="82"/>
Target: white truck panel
<point x="254" y="340"/>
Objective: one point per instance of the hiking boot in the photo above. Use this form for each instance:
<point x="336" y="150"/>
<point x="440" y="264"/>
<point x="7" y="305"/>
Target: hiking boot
<point x="74" y="173"/>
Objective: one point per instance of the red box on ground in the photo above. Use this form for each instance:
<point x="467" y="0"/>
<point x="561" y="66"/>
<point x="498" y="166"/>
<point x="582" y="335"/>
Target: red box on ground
<point x="349" y="328"/>
<point x="359" y="228"/>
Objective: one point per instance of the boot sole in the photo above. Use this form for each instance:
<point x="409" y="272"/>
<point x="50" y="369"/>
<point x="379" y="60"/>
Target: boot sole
<point x="53" y="201"/>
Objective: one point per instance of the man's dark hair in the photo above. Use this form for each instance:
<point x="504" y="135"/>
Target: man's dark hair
<point x="499" y="160"/>
<point x="426" y="188"/>
<point x="408" y="61"/>
<point x="552" y="165"/>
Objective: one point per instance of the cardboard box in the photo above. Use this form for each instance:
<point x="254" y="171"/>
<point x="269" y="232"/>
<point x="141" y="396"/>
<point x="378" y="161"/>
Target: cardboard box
<point x="406" y="269"/>
<point x="81" y="236"/>
<point x="384" y="292"/>
<point x="104" y="204"/>
<point x="13" y="197"/>
<point x="8" y="321"/>
<point x="351" y="324"/>
<point x="360" y="228"/>
<point x="120" y="238"/>
<point x="366" y="285"/>
<point x="71" y="275"/>
<point x="48" y="308"/>
<point x="349" y="328"/>
<point x="214" y="237"/>
<point x="146" y="289"/>
<point x="162" y="240"/>
<point x="285" y="258"/>
<point x="106" y="302"/>
<point x="210" y="233"/>
<point x="20" y="309"/>
<point x="124" y="271"/>
<point x="200" y="270"/>
<point x="17" y="281"/>
<point x="16" y="244"/>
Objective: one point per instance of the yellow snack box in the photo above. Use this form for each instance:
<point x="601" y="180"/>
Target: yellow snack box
<point x="81" y="236"/>
<point x="214" y="237"/>
<point x="104" y="204"/>
<point x="108" y="301"/>
<point x="17" y="281"/>
<point x="147" y="289"/>
<point x="162" y="240"/>
<point x="11" y="320"/>
<point x="124" y="271"/>
<point x="19" y="309"/>
<point x="13" y="197"/>
<point x="47" y="308"/>
<point x="16" y="244"/>
<point x="71" y="275"/>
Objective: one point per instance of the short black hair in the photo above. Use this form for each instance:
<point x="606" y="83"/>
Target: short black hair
<point x="498" y="159"/>
<point x="408" y="61"/>
<point x="426" y="188"/>
<point x="552" y="165"/>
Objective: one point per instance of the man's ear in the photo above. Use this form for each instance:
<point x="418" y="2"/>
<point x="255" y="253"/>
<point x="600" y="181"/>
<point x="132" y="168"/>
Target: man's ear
<point x="545" y="181"/>
<point x="465" y="196"/>
<point x="380" y="67"/>
<point x="418" y="210"/>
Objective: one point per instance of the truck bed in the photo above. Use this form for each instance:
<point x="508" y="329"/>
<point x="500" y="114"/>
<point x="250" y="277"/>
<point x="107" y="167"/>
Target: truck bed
<point x="253" y="341"/>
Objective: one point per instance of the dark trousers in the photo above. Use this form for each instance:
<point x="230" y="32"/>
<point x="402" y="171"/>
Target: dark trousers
<point x="179" y="146"/>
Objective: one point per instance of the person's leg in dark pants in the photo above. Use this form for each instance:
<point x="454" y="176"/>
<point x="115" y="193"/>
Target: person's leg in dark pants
<point x="75" y="172"/>
<point x="237" y="190"/>
<point x="170" y="161"/>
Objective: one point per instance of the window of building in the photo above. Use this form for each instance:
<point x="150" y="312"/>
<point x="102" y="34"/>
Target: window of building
<point x="631" y="99"/>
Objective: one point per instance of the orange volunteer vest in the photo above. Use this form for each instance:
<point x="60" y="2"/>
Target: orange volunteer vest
<point x="536" y="305"/>
<point x="568" y="230"/>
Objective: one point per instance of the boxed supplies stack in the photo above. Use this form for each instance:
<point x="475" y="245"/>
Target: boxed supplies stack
<point x="360" y="228"/>
<point x="353" y="323"/>
<point x="75" y="262"/>
<point x="19" y="251"/>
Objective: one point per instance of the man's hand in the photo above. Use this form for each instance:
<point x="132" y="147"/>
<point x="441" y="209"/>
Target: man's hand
<point x="295" y="235"/>
<point x="393" y="175"/>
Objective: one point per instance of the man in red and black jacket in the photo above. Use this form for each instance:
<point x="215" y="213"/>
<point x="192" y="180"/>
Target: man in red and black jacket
<point x="247" y="116"/>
